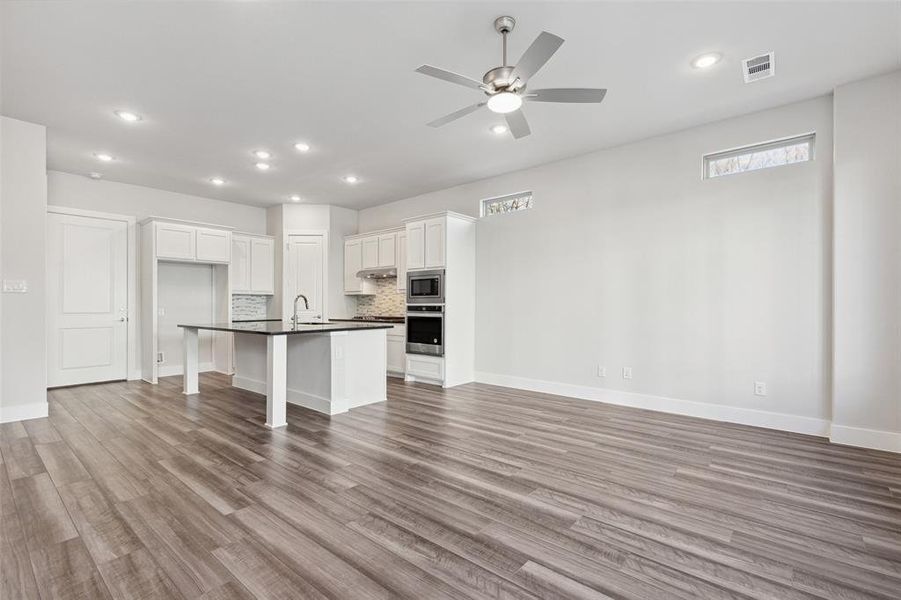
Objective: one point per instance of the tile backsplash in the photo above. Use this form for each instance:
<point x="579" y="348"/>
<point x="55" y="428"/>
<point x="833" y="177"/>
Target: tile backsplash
<point x="246" y="306"/>
<point x="387" y="301"/>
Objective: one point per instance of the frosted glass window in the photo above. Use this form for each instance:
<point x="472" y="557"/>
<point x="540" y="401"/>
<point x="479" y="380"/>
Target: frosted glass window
<point x="506" y="204"/>
<point x="759" y="156"/>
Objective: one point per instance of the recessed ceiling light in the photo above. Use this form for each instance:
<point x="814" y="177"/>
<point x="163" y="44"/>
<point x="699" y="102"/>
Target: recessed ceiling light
<point x="95" y="175"/>
<point x="498" y="129"/>
<point x="706" y="61"/>
<point x="294" y="198"/>
<point x="302" y="147"/>
<point x="217" y="181"/>
<point x="263" y="154"/>
<point x="350" y="179"/>
<point x="103" y="156"/>
<point x="504" y="102"/>
<point x="262" y="166"/>
<point x="127" y="115"/>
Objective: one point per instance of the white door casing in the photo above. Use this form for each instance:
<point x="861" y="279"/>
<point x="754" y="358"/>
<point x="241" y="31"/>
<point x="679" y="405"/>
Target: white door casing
<point x="305" y="275"/>
<point x="87" y="299"/>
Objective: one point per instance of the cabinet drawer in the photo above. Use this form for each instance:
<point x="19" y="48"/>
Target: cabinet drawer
<point x="420" y="366"/>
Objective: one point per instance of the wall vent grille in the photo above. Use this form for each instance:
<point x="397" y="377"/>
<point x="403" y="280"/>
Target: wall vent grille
<point x="759" y="67"/>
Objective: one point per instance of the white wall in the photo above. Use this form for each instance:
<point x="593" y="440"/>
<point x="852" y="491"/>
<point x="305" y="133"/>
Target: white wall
<point x="76" y="191"/>
<point x="629" y="258"/>
<point x="23" y="209"/>
<point x="867" y="257"/>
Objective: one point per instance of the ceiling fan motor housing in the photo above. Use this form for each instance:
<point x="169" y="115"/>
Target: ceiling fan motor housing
<point x="499" y="78"/>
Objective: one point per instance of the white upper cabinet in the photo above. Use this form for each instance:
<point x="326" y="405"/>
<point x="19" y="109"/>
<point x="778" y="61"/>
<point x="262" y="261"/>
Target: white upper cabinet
<point x="416" y="245"/>
<point x="370" y="252"/>
<point x="353" y="263"/>
<point x="175" y="242"/>
<point x="401" y="261"/>
<point x="388" y="250"/>
<point x="240" y="266"/>
<point x="253" y="264"/>
<point x="262" y="265"/>
<point x="213" y="245"/>
<point x="434" y="243"/>
<point x="181" y="241"/>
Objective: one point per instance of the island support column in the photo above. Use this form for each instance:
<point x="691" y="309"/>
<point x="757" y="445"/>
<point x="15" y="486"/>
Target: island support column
<point x="276" y="380"/>
<point x="189" y="338"/>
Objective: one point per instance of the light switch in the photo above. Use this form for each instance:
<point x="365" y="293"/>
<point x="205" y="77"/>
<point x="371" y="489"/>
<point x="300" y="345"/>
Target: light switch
<point x="15" y="286"/>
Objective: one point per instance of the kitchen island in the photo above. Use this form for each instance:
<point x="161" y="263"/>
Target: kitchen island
<point x="329" y="367"/>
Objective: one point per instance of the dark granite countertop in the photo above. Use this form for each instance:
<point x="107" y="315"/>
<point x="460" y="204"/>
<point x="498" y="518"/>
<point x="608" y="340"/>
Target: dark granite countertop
<point x="278" y="327"/>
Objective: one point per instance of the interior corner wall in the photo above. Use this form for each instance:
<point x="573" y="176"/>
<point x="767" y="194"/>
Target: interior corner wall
<point x="23" y="211"/>
<point x="630" y="259"/>
<point x="867" y="264"/>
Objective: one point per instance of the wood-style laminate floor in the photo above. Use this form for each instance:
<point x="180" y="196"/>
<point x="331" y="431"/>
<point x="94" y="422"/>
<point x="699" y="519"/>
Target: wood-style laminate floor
<point x="135" y="491"/>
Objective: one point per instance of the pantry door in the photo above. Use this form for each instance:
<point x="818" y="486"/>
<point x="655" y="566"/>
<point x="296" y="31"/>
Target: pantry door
<point x="87" y="299"/>
<point x="306" y="275"/>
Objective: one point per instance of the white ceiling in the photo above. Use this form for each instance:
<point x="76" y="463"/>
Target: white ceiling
<point x="215" y="80"/>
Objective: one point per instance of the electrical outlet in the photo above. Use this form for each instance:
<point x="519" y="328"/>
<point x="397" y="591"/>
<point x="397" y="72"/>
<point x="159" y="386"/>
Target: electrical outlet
<point x="160" y="358"/>
<point x="760" y="388"/>
<point x="627" y="372"/>
<point x="161" y="312"/>
<point x="602" y="371"/>
<point x="15" y="286"/>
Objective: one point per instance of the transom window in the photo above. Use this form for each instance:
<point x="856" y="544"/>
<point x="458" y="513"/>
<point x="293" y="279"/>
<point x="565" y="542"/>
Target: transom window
<point x="777" y="153"/>
<point x="506" y="204"/>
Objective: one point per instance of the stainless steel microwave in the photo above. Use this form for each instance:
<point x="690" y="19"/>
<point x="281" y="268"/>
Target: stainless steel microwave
<point x="425" y="287"/>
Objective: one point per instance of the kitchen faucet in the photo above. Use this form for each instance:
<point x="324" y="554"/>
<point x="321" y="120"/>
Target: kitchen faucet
<point x="306" y="303"/>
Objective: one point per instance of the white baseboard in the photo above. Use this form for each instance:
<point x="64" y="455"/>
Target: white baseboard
<point x="22" y="412"/>
<point x="703" y="410"/>
<point x="865" y="438"/>
<point x="317" y="403"/>
<point x="170" y="370"/>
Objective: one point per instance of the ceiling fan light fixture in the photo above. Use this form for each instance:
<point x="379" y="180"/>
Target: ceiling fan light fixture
<point x="504" y="102"/>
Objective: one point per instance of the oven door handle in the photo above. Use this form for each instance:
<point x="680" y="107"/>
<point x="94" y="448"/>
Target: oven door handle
<point x="428" y="316"/>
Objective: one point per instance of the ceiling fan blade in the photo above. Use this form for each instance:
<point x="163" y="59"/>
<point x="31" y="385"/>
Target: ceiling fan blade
<point x="567" y="95"/>
<point x="449" y="76"/>
<point x="541" y="51"/>
<point x="517" y="123"/>
<point x="455" y="115"/>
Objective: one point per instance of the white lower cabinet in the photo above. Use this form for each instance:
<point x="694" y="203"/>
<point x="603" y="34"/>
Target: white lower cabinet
<point x="397" y="348"/>
<point x="421" y="367"/>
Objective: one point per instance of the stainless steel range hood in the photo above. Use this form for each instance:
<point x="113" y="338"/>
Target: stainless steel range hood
<point x="380" y="273"/>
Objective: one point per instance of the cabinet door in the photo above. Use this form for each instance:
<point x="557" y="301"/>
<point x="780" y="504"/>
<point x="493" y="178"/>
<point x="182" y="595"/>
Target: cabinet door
<point x="213" y="245"/>
<point x="371" y="252"/>
<point x="387" y="250"/>
<point x="401" y="262"/>
<point x="416" y="245"/>
<point x="262" y="265"/>
<point x="353" y="262"/>
<point x="434" y="243"/>
<point x="174" y="241"/>
<point x="396" y="354"/>
<point x="240" y="265"/>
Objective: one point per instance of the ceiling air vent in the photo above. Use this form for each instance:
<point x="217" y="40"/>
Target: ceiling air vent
<point x="759" y="67"/>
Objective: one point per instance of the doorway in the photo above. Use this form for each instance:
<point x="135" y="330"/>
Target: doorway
<point x="88" y="299"/>
<point x="306" y="268"/>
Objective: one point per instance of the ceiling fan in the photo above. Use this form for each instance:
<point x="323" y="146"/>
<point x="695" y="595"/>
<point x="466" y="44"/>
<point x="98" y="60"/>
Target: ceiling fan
<point x="505" y="86"/>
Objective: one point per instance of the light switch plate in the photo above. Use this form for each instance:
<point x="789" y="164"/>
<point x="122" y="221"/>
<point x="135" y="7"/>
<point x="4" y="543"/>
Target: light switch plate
<point x="627" y="372"/>
<point x="15" y="286"/>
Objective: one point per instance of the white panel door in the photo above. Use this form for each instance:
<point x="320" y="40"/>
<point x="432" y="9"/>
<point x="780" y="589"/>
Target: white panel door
<point x="305" y="276"/>
<point x="87" y="299"/>
<point x="387" y="250"/>
<point x="175" y="241"/>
